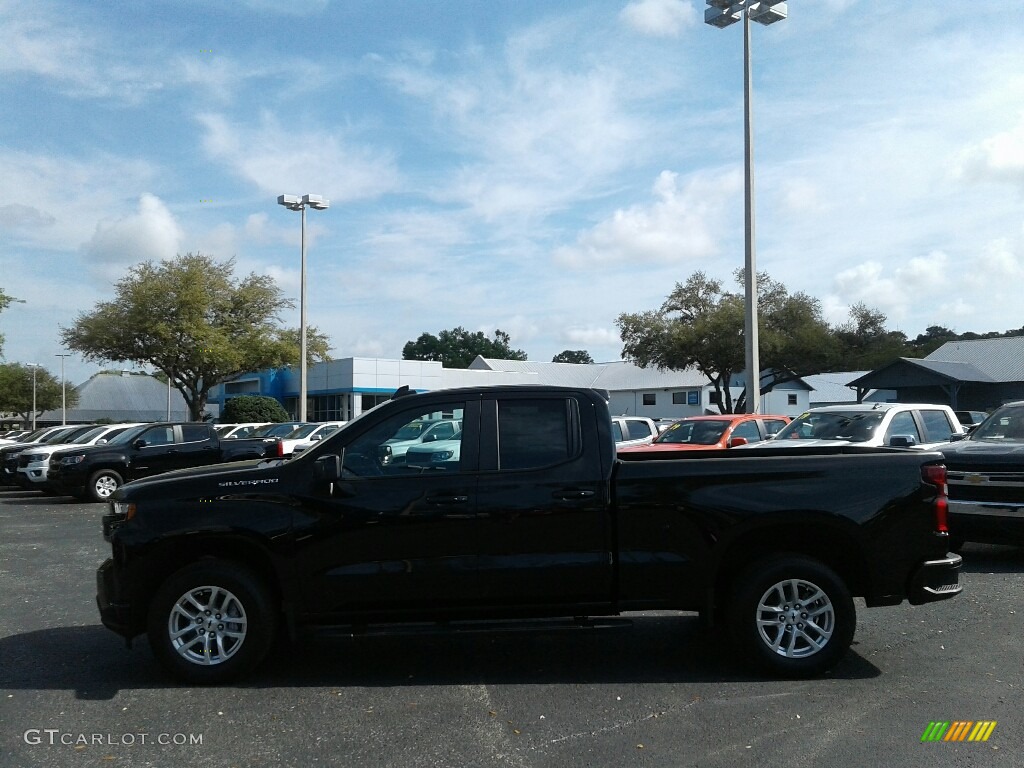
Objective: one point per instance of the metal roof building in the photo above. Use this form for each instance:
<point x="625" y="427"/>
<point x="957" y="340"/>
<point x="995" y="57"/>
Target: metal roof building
<point x="970" y="375"/>
<point x="121" y="397"/>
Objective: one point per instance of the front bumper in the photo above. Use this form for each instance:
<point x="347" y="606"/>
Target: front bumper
<point x="936" y="580"/>
<point x="115" y="609"/>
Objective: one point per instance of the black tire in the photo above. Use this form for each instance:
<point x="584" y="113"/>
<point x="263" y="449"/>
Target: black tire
<point x="102" y="484"/>
<point x="222" y="616"/>
<point x="813" y="607"/>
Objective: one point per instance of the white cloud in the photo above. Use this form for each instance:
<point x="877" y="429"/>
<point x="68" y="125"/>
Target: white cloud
<point x="591" y="335"/>
<point x="40" y="41"/>
<point x="151" y="233"/>
<point x="281" y="160"/>
<point x="681" y="225"/>
<point x="53" y="201"/>
<point x="999" y="157"/>
<point x="659" y="18"/>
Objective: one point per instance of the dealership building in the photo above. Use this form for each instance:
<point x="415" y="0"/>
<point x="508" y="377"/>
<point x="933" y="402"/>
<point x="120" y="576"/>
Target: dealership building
<point x="340" y="390"/>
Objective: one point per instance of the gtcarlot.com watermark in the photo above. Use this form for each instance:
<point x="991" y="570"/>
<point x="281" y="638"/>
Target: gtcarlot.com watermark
<point x="54" y="736"/>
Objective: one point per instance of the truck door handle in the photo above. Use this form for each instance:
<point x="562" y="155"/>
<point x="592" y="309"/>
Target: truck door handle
<point x="447" y="499"/>
<point x="572" y="493"/>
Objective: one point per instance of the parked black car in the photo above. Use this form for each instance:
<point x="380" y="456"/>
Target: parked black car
<point x="96" y="472"/>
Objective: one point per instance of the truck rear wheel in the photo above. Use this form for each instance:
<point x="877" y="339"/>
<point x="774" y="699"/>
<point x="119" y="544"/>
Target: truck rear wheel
<point x="102" y="484"/>
<point x="792" y="616"/>
<point x="211" y="622"/>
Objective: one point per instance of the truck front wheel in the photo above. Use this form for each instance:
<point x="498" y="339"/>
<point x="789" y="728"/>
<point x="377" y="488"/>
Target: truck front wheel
<point x="792" y="616"/>
<point x="102" y="484"/>
<point x="211" y="622"/>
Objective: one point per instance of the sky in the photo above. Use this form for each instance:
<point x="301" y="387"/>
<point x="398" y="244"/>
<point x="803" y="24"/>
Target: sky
<point x="531" y="166"/>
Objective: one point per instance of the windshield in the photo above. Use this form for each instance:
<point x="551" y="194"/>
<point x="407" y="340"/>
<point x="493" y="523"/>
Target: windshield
<point x="85" y="437"/>
<point x="703" y="432"/>
<point x="411" y="431"/>
<point x="127" y="436"/>
<point x="852" y="426"/>
<point x="59" y="436"/>
<point x="1005" y="425"/>
<point x="304" y="431"/>
<point x="274" y="430"/>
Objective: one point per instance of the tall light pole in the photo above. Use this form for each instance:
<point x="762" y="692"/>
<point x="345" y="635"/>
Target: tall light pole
<point x="722" y="13"/>
<point x="33" y="366"/>
<point x="296" y="203"/>
<point x="63" y="391"/>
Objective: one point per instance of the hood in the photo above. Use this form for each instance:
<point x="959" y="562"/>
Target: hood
<point x="668" y="448"/>
<point x="213" y="479"/>
<point x="976" y="453"/>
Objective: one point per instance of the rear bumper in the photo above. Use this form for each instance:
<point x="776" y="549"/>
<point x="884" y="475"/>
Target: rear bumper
<point x="936" y="580"/>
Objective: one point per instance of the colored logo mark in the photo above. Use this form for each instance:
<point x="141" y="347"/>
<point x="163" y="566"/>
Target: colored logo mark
<point x="959" y="730"/>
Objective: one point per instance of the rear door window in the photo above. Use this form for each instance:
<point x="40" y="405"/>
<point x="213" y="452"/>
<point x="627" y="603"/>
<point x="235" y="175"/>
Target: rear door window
<point x="937" y="427"/>
<point x="534" y="433"/>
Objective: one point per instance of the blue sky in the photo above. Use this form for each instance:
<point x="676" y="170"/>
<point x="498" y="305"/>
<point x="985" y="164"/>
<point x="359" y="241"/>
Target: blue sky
<point x="532" y="166"/>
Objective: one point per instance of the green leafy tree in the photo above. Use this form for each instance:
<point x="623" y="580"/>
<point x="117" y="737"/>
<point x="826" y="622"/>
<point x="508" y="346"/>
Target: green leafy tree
<point x="866" y="343"/>
<point x="16" y="391"/>
<point x="573" y="356"/>
<point x="5" y="302"/>
<point x="457" y="348"/>
<point x="700" y="326"/>
<point x="246" y="409"/>
<point x="191" y="318"/>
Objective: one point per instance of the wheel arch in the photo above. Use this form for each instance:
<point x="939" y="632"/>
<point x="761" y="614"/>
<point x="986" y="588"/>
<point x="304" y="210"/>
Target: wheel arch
<point x="838" y="548"/>
<point x="171" y="556"/>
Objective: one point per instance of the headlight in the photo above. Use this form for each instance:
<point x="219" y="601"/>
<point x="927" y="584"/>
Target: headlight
<point x="442" y="455"/>
<point x="72" y="459"/>
<point x="123" y="509"/>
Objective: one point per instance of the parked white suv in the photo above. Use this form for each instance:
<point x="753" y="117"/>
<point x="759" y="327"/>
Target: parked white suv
<point x="903" y="425"/>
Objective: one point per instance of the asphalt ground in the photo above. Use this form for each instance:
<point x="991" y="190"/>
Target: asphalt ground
<point x="657" y="693"/>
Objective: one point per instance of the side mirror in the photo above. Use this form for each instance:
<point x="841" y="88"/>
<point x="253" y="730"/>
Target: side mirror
<point x="327" y="468"/>
<point x="384" y="455"/>
<point x="902" y="441"/>
<point x="314" y="438"/>
<point x="101" y="441"/>
<point x="734" y="441"/>
<point x="956" y="437"/>
<point x="140" y="443"/>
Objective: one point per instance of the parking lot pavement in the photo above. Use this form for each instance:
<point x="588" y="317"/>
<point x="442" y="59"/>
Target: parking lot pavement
<point x="655" y="694"/>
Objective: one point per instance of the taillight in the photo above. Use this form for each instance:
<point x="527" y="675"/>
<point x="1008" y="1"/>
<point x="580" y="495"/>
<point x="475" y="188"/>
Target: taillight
<point x="280" y="452"/>
<point x="935" y="474"/>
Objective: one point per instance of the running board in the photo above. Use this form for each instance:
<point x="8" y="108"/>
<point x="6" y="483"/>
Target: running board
<point x="469" y="627"/>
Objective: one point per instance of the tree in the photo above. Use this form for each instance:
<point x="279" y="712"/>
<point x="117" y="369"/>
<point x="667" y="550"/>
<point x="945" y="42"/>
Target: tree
<point x="573" y="356"/>
<point x="246" y="409"/>
<point x="16" y="391"/>
<point x="6" y="301"/>
<point x="865" y="342"/>
<point x="458" y="347"/>
<point x="700" y="326"/>
<point x="192" y="319"/>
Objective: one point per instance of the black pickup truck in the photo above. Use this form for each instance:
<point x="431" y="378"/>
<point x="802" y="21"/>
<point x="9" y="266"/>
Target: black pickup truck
<point x="95" y="472"/>
<point x="986" y="480"/>
<point x="533" y="516"/>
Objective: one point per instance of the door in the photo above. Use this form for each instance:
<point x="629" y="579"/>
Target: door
<point x="545" y="528"/>
<point x="390" y="540"/>
<point x="157" y="452"/>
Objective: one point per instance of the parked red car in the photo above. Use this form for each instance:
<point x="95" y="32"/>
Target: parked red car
<point x="710" y="432"/>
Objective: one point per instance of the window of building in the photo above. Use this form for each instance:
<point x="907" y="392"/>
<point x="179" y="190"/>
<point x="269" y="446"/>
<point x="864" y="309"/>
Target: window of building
<point x="650" y="398"/>
<point x="678" y="398"/>
<point x="791" y="399"/>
